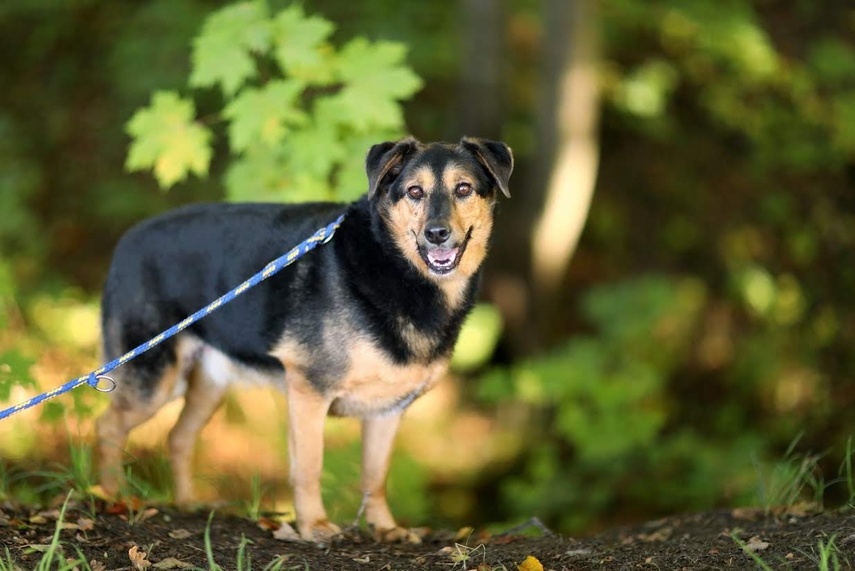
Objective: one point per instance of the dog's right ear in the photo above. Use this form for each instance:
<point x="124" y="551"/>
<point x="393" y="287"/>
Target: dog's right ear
<point x="386" y="158"/>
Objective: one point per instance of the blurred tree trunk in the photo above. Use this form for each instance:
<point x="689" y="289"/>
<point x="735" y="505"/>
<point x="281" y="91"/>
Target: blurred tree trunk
<point x="538" y="235"/>
<point x="568" y="126"/>
<point x="479" y="100"/>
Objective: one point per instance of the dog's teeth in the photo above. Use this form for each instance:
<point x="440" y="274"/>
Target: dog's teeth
<point x="442" y="257"/>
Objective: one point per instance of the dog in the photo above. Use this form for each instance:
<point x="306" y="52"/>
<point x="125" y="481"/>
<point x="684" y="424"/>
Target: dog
<point x="361" y="326"/>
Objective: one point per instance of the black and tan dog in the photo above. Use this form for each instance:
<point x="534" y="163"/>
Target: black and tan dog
<point x="360" y="327"/>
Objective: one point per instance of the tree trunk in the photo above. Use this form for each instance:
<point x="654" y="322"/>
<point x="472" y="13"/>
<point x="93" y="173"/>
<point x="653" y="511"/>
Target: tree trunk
<point x="479" y="100"/>
<point x="568" y="127"/>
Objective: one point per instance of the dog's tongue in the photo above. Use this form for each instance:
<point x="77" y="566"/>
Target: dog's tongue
<point x="442" y="256"/>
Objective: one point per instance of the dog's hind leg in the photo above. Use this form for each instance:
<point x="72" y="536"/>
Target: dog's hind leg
<point x="201" y="401"/>
<point x="129" y="407"/>
<point x="378" y="436"/>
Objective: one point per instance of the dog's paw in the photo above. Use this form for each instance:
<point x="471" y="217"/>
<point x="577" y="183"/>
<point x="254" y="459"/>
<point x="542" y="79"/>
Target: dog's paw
<point x="399" y="535"/>
<point x="319" y="531"/>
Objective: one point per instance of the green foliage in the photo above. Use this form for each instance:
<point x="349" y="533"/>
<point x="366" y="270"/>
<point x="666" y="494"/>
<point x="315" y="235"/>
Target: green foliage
<point x="298" y="109"/>
<point x="601" y="411"/>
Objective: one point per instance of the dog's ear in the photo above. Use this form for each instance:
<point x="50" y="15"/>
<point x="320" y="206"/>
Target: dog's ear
<point x="386" y="158"/>
<point x="495" y="156"/>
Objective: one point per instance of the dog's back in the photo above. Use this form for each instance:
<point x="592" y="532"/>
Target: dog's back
<point x="167" y="267"/>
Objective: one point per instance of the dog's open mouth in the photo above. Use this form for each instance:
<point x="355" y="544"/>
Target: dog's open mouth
<point x="442" y="259"/>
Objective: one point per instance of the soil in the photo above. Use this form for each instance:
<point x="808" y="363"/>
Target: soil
<point x="117" y="537"/>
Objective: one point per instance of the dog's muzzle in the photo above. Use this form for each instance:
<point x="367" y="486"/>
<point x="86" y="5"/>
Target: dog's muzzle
<point x="442" y="258"/>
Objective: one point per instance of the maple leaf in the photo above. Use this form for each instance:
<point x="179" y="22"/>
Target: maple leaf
<point x="375" y="79"/>
<point x="351" y="180"/>
<point x="166" y="138"/>
<point x="222" y="52"/>
<point x="300" y="45"/>
<point x="316" y="148"/>
<point x="264" y="114"/>
<point x="257" y="175"/>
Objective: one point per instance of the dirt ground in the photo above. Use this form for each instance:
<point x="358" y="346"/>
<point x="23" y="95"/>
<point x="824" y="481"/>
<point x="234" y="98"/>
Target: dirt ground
<point x="113" y="538"/>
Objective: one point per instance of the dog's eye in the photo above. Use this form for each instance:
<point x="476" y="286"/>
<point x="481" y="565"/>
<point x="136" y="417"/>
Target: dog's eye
<point x="415" y="192"/>
<point x="463" y="189"/>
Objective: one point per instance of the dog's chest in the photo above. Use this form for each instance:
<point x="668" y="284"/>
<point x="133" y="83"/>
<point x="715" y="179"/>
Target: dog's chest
<point x="372" y="383"/>
<point x="358" y="377"/>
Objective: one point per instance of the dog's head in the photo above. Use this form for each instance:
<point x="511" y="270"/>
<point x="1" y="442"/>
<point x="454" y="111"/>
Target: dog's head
<point x="436" y="200"/>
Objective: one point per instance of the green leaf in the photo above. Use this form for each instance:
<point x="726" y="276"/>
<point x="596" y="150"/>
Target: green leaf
<point x="166" y="138"/>
<point x="351" y="180"/>
<point x="222" y="53"/>
<point x="300" y="45"/>
<point x="316" y="148"/>
<point x="375" y="80"/>
<point x="257" y="175"/>
<point x="264" y="115"/>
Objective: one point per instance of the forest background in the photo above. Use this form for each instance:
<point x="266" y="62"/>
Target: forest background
<point x="684" y="344"/>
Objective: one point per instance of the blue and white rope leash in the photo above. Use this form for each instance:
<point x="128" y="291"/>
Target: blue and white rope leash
<point x="93" y="379"/>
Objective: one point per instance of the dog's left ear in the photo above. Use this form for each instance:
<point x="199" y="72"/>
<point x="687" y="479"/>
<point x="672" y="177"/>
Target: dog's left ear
<point x="496" y="157"/>
<point x="385" y="158"/>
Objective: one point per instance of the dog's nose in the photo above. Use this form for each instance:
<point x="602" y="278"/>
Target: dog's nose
<point x="436" y="234"/>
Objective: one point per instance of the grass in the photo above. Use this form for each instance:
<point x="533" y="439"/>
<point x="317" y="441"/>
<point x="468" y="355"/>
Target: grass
<point x="790" y="480"/>
<point x="828" y="555"/>
<point x="252" y="506"/>
<point x="53" y="553"/>
<point x="243" y="560"/>
<point x="845" y="472"/>
<point x="826" y="558"/>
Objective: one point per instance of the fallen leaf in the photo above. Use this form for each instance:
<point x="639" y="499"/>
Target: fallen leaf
<point x="98" y="492"/>
<point x="39" y="547"/>
<point x="268" y="524"/>
<point x="530" y="563"/>
<point x="147" y="514"/>
<point x="38" y="520"/>
<point x="180" y="534"/>
<point x="463" y="533"/>
<point x="286" y="533"/>
<point x="756" y="544"/>
<point x="138" y="558"/>
<point x="85" y="524"/>
<point x="660" y="535"/>
<point x="124" y="507"/>
<point x="97" y="566"/>
<point x="366" y="559"/>
<point x="744" y="513"/>
<point x="172" y="563"/>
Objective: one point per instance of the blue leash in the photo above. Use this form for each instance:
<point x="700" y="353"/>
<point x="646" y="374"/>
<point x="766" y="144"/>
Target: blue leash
<point x="93" y="379"/>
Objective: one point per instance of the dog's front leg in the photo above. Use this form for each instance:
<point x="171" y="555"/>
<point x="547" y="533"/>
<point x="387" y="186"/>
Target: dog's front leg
<point x="378" y="435"/>
<point x="307" y="411"/>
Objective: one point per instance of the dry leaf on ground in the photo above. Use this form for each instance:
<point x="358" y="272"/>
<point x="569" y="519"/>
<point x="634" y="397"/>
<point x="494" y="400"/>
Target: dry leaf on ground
<point x="172" y="563"/>
<point x="286" y="533"/>
<point x="756" y="544"/>
<point x="138" y="558"/>
<point x="530" y="563"/>
<point x="180" y="534"/>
